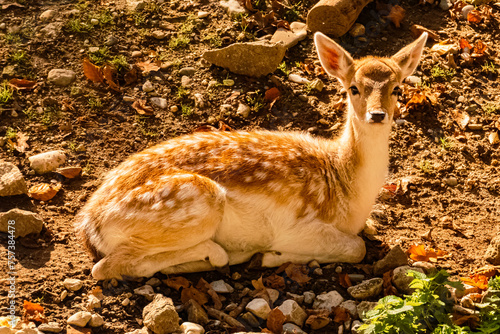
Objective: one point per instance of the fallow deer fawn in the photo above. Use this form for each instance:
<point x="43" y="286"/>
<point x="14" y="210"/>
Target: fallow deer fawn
<point x="209" y="199"/>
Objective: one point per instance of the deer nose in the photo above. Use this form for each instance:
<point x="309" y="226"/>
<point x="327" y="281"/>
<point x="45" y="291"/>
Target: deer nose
<point x="377" y="116"/>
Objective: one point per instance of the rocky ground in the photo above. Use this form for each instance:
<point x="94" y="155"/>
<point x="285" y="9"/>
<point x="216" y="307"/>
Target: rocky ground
<point x="94" y="82"/>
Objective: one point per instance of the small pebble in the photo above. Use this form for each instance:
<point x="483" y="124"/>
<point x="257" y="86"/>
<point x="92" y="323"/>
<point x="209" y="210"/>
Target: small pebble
<point x="147" y="86"/>
<point x="94" y="22"/>
<point x="136" y="54"/>
<point x="451" y="181"/>
<point x="202" y="15"/>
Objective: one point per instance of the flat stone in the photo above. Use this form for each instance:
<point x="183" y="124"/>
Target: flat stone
<point x="351" y="306"/>
<point x="80" y="319"/>
<point x="111" y="40"/>
<point x="153" y="281"/>
<point x="187" y="71"/>
<point x="401" y="279"/>
<point x="492" y="254"/>
<point x="396" y="257"/>
<point x="259" y="307"/>
<point x="243" y="110"/>
<point x="492" y="138"/>
<point x="147" y="86"/>
<point x="364" y="307"/>
<point x="290" y="328"/>
<point x="145" y="291"/>
<point x="136" y="54"/>
<point x="202" y="14"/>
<point x="451" y="181"/>
<point x="328" y="301"/>
<point x="159" y="102"/>
<point x="427" y="267"/>
<point x="309" y="297"/>
<point x="221" y="287"/>
<point x="254" y="59"/>
<point x="12" y="181"/>
<point x="298" y="79"/>
<point x="61" y="77"/>
<point x="233" y="7"/>
<point x="73" y="284"/>
<point x="192" y="328"/>
<point x="185" y="81"/>
<point x="9" y="71"/>
<point x="367" y="289"/>
<point x="47" y="162"/>
<point x="160" y="316"/>
<point x="51" y="327"/>
<point x="288" y="37"/>
<point x="159" y="34"/>
<point x="357" y="30"/>
<point x="25" y="222"/>
<point x="250" y="319"/>
<point x="293" y="312"/>
<point x="52" y="30"/>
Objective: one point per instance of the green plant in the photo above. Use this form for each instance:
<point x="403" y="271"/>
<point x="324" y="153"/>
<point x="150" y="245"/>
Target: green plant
<point x="491" y="108"/>
<point x="182" y="92"/>
<point x="76" y="26"/>
<point x="30" y="113"/>
<point x="5" y="93"/>
<point x="437" y="72"/>
<point x="72" y="146"/>
<point x="213" y="39"/>
<point x="494" y="283"/>
<point x="120" y="63"/>
<point x="446" y="143"/>
<point x="10" y="133"/>
<point x="100" y="56"/>
<point x="95" y="103"/>
<point x="283" y="68"/>
<point x="427" y="310"/>
<point x="256" y="101"/>
<point x="489" y="67"/>
<point x="186" y="110"/>
<point x="87" y="169"/>
<point x="426" y="166"/>
<point x="188" y="26"/>
<point x="12" y="38"/>
<point x="104" y="17"/>
<point x="292" y="13"/>
<point x="50" y="115"/>
<point x="179" y="42"/>
<point x="19" y="57"/>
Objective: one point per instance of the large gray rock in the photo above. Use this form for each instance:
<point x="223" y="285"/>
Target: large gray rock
<point x="367" y="289"/>
<point x="160" y="316"/>
<point x="25" y="222"/>
<point x="395" y="258"/>
<point x="492" y="254"/>
<point x="11" y="180"/>
<point x="233" y="7"/>
<point x="254" y="59"/>
<point x="288" y="37"/>
<point x="61" y="77"/>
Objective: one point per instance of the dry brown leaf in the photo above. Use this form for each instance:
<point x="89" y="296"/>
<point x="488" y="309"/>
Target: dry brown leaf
<point x="341" y="315"/>
<point x="344" y="280"/>
<point x="21" y="144"/>
<point x="417" y="30"/>
<point x="148" y="66"/>
<point x="479" y="281"/>
<point x="177" y="282"/>
<point x="92" y="72"/>
<point x="141" y="107"/>
<point x="97" y="292"/>
<point x="260" y="289"/>
<point x="69" y="172"/>
<point x="205" y="287"/>
<point x="272" y="94"/>
<point x="488" y="270"/>
<point x="275" y="321"/>
<point x="479" y="49"/>
<point x="131" y="76"/>
<point x="465" y="44"/>
<point x="389" y="289"/>
<point x="418" y="253"/>
<point x="195" y="294"/>
<point x="297" y="273"/>
<point x="396" y="15"/>
<point x="108" y="72"/>
<point x="474" y="16"/>
<point x="461" y="118"/>
<point x="471" y="321"/>
<point x="43" y="191"/>
<point x="22" y="84"/>
<point x="275" y="282"/>
<point x="33" y="312"/>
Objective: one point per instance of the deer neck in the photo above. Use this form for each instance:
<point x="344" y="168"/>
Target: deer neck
<point x="364" y="158"/>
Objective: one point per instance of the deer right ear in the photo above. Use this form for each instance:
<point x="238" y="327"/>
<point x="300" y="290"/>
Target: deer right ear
<point x="335" y="60"/>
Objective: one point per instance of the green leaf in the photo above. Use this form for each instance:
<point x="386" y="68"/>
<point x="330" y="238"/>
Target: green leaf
<point x="404" y="308"/>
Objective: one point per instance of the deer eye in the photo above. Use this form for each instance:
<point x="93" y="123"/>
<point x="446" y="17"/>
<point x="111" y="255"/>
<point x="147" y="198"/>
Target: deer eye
<point x="397" y="91"/>
<point x="354" y="90"/>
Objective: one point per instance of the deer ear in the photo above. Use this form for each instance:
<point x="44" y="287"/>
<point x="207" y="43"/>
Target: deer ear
<point x="409" y="56"/>
<point x="335" y="60"/>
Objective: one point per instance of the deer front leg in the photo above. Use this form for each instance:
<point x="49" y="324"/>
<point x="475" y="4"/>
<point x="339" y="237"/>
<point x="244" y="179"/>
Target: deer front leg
<point x="315" y="241"/>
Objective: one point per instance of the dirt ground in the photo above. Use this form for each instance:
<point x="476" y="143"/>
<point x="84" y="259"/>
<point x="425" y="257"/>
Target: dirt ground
<point x="98" y="129"/>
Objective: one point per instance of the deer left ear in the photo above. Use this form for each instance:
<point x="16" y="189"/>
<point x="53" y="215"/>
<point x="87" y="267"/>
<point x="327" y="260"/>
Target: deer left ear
<point x="409" y="56"/>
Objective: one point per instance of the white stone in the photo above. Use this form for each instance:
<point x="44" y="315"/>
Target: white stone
<point x="146" y="291"/>
<point x="259" y="307"/>
<point x="351" y="306"/>
<point x="221" y="287"/>
<point x="73" y="284"/>
<point x="136" y="54"/>
<point x="233" y="7"/>
<point x="493" y="138"/>
<point x="61" y="77"/>
<point x="298" y="79"/>
<point x="192" y="328"/>
<point x="48" y="15"/>
<point x="328" y="300"/>
<point x="47" y="161"/>
<point x="202" y="15"/>
<point x="293" y="312"/>
<point x="147" y="86"/>
<point x="243" y="110"/>
<point x="159" y="34"/>
<point x="159" y="102"/>
<point x="309" y="297"/>
<point x="153" y="281"/>
<point x="96" y="320"/>
<point x="273" y="294"/>
<point x="357" y="30"/>
<point x="290" y="328"/>
<point x="466" y="10"/>
<point x="80" y="319"/>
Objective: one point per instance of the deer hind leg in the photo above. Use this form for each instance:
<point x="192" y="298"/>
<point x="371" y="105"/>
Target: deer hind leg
<point x="315" y="241"/>
<point x="166" y="231"/>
